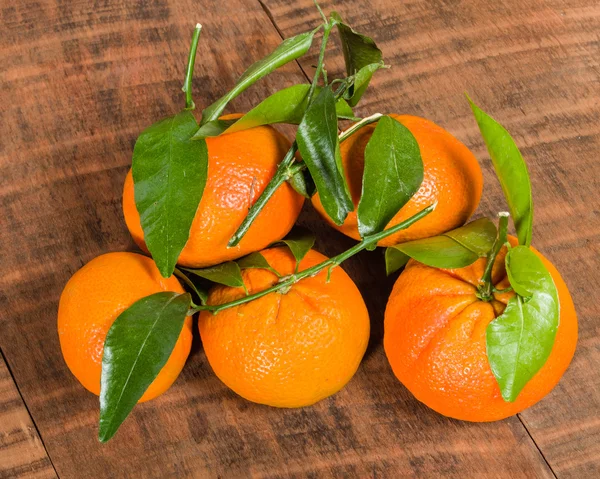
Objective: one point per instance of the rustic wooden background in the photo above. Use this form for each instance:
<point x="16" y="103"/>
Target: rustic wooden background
<point x="80" y="79"/>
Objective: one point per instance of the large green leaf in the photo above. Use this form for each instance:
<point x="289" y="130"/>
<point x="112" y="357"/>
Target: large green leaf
<point x="169" y="175"/>
<point x="511" y="171"/>
<point x="285" y="106"/>
<point x="393" y="173"/>
<point x="319" y="146"/>
<point x="227" y="273"/>
<point x="362" y="57"/>
<point x="136" y="348"/>
<point x="286" y="52"/>
<point x="455" y="249"/>
<point x="520" y="340"/>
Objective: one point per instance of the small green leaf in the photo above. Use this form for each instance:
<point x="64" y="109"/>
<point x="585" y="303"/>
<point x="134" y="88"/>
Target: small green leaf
<point x="520" y="340"/>
<point x="319" y="146"/>
<point x="361" y="81"/>
<point x="169" y="173"/>
<point x="300" y="240"/>
<point x="394" y="260"/>
<point x="303" y="183"/>
<point x="477" y="236"/>
<point x="287" y="51"/>
<point x="137" y="346"/>
<point x="195" y="288"/>
<point x="393" y="173"/>
<point x="455" y="249"/>
<point x="285" y="106"/>
<point x="256" y="261"/>
<point x="360" y="51"/>
<point x="511" y="171"/>
<point x="227" y="273"/>
<point x="213" y="128"/>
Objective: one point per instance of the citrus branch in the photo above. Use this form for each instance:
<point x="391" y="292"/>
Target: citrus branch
<point x="287" y="281"/>
<point x="187" y="84"/>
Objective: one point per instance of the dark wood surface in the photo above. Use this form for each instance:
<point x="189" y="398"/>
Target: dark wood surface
<point x="79" y="80"/>
<point x="22" y="454"/>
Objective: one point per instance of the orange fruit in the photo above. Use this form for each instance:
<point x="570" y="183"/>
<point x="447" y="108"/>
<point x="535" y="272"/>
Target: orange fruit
<point x="451" y="176"/>
<point x="91" y="301"/>
<point x="240" y="165"/>
<point x="287" y="349"/>
<point x="435" y="340"/>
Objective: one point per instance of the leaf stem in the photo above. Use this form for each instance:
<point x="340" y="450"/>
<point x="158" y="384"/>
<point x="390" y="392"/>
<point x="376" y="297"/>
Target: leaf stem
<point x="187" y="84"/>
<point x="358" y="125"/>
<point x="320" y="11"/>
<point x="288" y="281"/>
<point x="486" y="286"/>
<point x="313" y="86"/>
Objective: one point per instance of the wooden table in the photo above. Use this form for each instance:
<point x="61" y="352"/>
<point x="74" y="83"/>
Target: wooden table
<point x="80" y="79"/>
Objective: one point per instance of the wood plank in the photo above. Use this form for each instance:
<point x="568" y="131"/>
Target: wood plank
<point x="22" y="454"/>
<point x="535" y="66"/>
<point x="80" y="81"/>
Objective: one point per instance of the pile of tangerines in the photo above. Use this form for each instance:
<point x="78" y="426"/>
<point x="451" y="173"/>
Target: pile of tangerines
<point x="280" y="323"/>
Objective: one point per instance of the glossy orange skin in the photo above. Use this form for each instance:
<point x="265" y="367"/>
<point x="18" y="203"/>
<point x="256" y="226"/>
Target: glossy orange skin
<point x="239" y="167"/>
<point x="434" y="338"/>
<point x="451" y="176"/>
<point x="292" y="349"/>
<point x="91" y="301"/>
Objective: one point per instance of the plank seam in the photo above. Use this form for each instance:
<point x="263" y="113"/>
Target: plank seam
<point x="28" y="411"/>
<point x="536" y="445"/>
<point x="274" y="23"/>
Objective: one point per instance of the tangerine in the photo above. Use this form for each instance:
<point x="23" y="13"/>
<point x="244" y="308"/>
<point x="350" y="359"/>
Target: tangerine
<point x="451" y="176"/>
<point x="287" y="349"/>
<point x="435" y="340"/>
<point x="91" y="301"/>
<point x="240" y="165"/>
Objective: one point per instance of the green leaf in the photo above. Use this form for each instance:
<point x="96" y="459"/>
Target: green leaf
<point x="256" y="261"/>
<point x="227" y="273"/>
<point x="455" y="249"/>
<point x="522" y="289"/>
<point x="300" y="240"/>
<point x="319" y="146"/>
<point x="286" y="52"/>
<point x="360" y="51"/>
<point x="213" y="128"/>
<point x="361" y="81"/>
<point x="477" y="236"/>
<point x="520" y="340"/>
<point x="394" y="260"/>
<point x="136" y="348"/>
<point x="169" y="173"/>
<point x="303" y="183"/>
<point x="511" y="171"/>
<point x="285" y="106"/>
<point x="195" y="288"/>
<point x="393" y="173"/>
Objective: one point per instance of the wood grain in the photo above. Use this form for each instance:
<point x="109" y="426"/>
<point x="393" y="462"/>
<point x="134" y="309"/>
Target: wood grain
<point x="21" y="452"/>
<point x="535" y="66"/>
<point x="81" y="79"/>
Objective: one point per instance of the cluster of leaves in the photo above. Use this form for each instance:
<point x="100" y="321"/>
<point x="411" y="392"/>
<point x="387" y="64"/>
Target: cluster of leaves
<point x="170" y="163"/>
